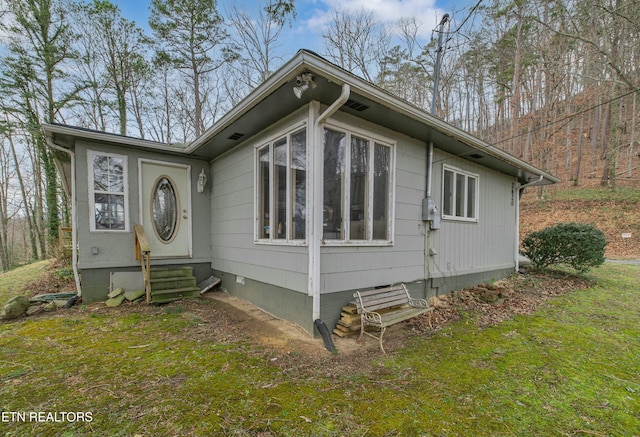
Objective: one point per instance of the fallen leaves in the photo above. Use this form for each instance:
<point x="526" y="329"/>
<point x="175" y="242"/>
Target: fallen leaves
<point x="520" y="294"/>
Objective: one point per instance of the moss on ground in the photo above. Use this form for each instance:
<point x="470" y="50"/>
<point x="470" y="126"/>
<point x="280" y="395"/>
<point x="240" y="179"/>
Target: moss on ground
<point x="570" y="368"/>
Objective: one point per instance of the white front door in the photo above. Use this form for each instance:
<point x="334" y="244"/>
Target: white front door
<point x="165" y="207"/>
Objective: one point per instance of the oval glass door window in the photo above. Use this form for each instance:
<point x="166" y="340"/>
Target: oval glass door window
<point x="164" y="209"/>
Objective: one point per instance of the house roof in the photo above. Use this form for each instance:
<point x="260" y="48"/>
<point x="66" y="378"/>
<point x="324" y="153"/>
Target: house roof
<point x="274" y="99"/>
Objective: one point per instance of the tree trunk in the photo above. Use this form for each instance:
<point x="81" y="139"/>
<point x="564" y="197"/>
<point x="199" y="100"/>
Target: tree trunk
<point x="576" y="176"/>
<point x="23" y="191"/>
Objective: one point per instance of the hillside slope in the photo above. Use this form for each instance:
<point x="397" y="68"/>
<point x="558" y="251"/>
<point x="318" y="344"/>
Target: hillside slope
<point x="614" y="212"/>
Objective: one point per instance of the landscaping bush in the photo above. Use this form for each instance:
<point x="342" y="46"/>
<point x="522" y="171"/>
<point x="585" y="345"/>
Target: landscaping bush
<point x="578" y="245"/>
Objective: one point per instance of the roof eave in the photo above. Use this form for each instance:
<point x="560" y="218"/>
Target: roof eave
<point x="52" y="130"/>
<point x="284" y="74"/>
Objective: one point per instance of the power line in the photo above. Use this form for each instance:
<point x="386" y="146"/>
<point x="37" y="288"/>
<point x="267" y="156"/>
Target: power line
<point x="473" y="9"/>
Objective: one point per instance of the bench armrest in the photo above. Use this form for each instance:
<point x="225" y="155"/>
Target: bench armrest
<point x="418" y="303"/>
<point x="372" y="316"/>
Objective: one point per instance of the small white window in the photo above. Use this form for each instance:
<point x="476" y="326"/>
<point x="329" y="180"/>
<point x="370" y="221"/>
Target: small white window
<point x="108" y="187"/>
<point x="459" y="194"/>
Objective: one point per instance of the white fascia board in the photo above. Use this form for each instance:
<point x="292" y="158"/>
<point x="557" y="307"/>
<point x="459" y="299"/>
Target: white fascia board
<point x="51" y="129"/>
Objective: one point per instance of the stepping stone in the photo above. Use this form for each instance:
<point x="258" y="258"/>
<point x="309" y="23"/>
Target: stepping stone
<point x="115" y="301"/>
<point x="133" y="294"/>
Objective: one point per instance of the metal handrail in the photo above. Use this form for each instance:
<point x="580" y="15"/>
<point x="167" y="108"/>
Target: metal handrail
<point x="143" y="255"/>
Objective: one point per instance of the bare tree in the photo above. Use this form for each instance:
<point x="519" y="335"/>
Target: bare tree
<point x="256" y="37"/>
<point x="356" y="42"/>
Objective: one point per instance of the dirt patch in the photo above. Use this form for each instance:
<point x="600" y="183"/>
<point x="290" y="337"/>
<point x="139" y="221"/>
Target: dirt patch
<point x="517" y="295"/>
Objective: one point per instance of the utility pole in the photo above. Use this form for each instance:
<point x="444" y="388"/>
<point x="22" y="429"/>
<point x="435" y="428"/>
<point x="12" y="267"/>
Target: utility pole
<point x="436" y="69"/>
<point x="429" y="208"/>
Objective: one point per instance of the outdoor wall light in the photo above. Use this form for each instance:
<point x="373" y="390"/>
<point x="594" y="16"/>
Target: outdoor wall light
<point x="202" y="181"/>
<point x="303" y="83"/>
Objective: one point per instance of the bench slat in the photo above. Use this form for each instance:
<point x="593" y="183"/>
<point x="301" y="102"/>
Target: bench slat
<point x="383" y="305"/>
<point x="399" y="316"/>
<point x="381" y="290"/>
<point x="388" y="299"/>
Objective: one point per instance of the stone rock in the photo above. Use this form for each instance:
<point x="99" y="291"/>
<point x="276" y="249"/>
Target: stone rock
<point x="60" y="303"/>
<point x="115" y="301"/>
<point x="34" y="310"/>
<point x="116" y="292"/>
<point x="488" y="295"/>
<point x="50" y="306"/>
<point x="14" y="308"/>
<point x="133" y="294"/>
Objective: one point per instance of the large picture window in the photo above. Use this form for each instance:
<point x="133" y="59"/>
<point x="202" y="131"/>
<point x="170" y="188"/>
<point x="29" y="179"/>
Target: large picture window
<point x="108" y="192"/>
<point x="459" y="195"/>
<point x="357" y="188"/>
<point x="282" y="188"/>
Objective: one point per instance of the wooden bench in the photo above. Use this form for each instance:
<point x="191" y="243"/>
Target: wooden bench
<point x="387" y="306"/>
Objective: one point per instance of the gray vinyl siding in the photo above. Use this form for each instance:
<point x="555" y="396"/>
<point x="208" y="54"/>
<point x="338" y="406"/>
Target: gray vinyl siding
<point x="356" y="267"/>
<point x="234" y="250"/>
<point x="470" y="247"/>
<point x="116" y="248"/>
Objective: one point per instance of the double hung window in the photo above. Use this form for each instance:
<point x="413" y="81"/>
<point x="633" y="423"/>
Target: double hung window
<point x="282" y="188"/>
<point x="459" y="195"/>
<point x="357" y="188"/>
<point x="108" y="192"/>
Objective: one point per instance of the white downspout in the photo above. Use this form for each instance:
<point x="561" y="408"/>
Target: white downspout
<point x="317" y="181"/>
<point x="74" y="227"/>
<point x="518" y="189"/>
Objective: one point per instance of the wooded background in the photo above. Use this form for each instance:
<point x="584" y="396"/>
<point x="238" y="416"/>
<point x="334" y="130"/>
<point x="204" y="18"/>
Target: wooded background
<point x="554" y="82"/>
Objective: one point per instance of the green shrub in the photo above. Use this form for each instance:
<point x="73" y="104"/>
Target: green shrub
<point x="578" y="245"/>
<point x="65" y="273"/>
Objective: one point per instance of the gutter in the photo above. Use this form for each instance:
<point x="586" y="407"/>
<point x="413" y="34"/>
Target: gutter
<point x="517" y="200"/>
<point x="315" y="239"/>
<point x="74" y="227"/>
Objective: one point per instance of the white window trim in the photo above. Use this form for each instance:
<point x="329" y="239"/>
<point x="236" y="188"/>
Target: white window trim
<point x="476" y="212"/>
<point x="287" y="132"/>
<point x="91" y="193"/>
<point x="350" y="131"/>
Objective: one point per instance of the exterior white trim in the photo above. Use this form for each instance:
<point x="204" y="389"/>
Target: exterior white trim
<point x="476" y="212"/>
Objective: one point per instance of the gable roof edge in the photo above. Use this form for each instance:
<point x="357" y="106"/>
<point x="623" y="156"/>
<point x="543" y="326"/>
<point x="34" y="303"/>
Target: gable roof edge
<point x="306" y="59"/>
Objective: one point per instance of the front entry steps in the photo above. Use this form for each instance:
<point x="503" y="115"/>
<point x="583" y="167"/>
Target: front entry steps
<point x="169" y="284"/>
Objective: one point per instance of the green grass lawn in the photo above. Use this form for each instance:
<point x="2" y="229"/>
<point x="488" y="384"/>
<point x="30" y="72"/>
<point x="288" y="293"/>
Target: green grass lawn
<point x="14" y="281"/>
<point x="571" y="368"/>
